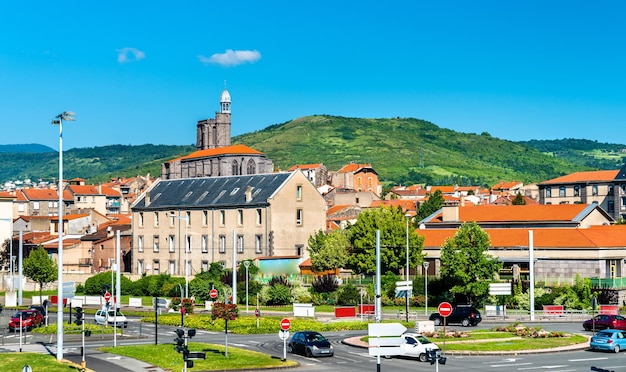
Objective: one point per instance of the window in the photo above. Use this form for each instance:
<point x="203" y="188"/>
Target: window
<point x="623" y="187"/>
<point x="20" y="208"/>
<point x="204" y="266"/>
<point x="172" y="267"/>
<point x="259" y="214"/>
<point x="594" y="190"/>
<point x="235" y="168"/>
<point x="299" y="192"/>
<point x="358" y="182"/>
<point x="156" y="268"/>
<point x="222" y="244"/>
<point x="222" y="218"/>
<point x="140" y="268"/>
<point x="205" y="243"/>
<point x="258" y="243"/>
<point x="548" y="192"/>
<point x="188" y="219"/>
<point x="205" y="218"/>
<point x="140" y="243"/>
<point x="36" y="206"/>
<point x="240" y="217"/>
<point x="251" y="167"/>
<point x="623" y="205"/>
<point x="172" y="218"/>
<point x="239" y="243"/>
<point x="299" y="217"/>
<point x="188" y="244"/>
<point x="171" y="243"/>
<point x="140" y="219"/>
<point x="576" y="190"/>
<point x="562" y="191"/>
<point x="611" y="206"/>
<point x="155" y="245"/>
<point x="299" y="249"/>
<point x="611" y="189"/>
<point x="370" y="182"/>
<point x="156" y="219"/>
<point x="50" y="204"/>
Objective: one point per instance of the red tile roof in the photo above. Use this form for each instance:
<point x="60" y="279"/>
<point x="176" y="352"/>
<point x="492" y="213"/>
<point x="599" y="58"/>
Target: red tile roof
<point x="304" y="166"/>
<point x="226" y="150"/>
<point x="83" y="190"/>
<point x="598" y="176"/>
<point x="504" y="213"/>
<point x="353" y="167"/>
<point x="40" y="194"/>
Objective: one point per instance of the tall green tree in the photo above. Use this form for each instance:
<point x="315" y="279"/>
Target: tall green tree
<point x="393" y="238"/>
<point x="519" y="200"/>
<point x="433" y="204"/>
<point x="465" y="265"/>
<point x="329" y="251"/>
<point x="40" y="268"/>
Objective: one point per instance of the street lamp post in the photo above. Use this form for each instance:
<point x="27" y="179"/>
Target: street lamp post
<point x="187" y="246"/>
<point x="64" y="116"/>
<point x="246" y="264"/>
<point x="426" y="264"/>
<point x="407" y="265"/>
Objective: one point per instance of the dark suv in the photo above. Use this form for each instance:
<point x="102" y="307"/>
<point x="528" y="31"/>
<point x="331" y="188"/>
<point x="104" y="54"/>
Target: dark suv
<point x="466" y="315"/>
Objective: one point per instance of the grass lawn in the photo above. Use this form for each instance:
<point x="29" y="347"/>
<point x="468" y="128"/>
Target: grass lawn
<point x="512" y="344"/>
<point x="37" y="362"/>
<point x="166" y="357"/>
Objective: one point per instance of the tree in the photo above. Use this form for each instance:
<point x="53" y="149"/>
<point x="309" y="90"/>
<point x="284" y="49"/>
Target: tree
<point x="465" y="265"/>
<point x="393" y="233"/>
<point x="433" y="204"/>
<point x="519" y="200"/>
<point x="329" y="251"/>
<point x="40" y="268"/>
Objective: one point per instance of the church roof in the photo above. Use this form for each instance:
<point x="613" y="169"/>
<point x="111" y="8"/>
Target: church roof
<point x="220" y="151"/>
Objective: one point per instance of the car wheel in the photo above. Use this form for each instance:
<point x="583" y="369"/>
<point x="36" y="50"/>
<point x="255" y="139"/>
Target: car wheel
<point x="308" y="352"/>
<point x="437" y="321"/>
<point x="387" y="356"/>
<point x="616" y="349"/>
<point x="465" y="322"/>
<point x="423" y="357"/>
<point x="290" y="349"/>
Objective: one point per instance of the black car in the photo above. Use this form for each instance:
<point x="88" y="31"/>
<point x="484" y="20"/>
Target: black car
<point x="466" y="315"/>
<point x="311" y="344"/>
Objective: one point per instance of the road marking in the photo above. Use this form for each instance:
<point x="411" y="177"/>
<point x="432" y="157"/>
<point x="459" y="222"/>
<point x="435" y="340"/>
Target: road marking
<point x="509" y="365"/>
<point x="587" y="359"/>
<point x="543" y="367"/>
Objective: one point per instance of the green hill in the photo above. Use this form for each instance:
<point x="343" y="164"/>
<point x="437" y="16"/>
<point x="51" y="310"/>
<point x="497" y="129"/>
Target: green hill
<point x="401" y="150"/>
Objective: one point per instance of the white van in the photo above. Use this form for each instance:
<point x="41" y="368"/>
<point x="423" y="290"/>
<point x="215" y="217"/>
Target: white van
<point x="110" y="317"/>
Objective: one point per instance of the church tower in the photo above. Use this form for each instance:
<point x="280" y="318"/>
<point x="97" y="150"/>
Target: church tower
<point x="215" y="133"/>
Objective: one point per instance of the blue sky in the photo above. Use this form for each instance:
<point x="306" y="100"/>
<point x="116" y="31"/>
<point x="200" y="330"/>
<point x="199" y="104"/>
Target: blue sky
<point x="146" y="72"/>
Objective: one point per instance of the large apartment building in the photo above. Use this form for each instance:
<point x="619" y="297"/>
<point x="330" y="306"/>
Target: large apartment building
<point x="213" y="219"/>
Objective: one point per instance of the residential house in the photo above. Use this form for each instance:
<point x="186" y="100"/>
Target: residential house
<point x="316" y="173"/>
<point x="87" y="197"/>
<point x="338" y="196"/>
<point x="217" y="219"/>
<point x="99" y="248"/>
<point x="340" y="216"/>
<point x="606" y="188"/>
<point x="40" y="202"/>
<point x="359" y="177"/>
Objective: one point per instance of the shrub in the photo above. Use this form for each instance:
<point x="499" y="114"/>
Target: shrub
<point x="348" y="294"/>
<point x="278" y="295"/>
<point x="325" y="284"/>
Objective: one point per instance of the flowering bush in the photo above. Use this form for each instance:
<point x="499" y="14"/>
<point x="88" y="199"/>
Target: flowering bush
<point x="224" y="311"/>
<point x="531" y="332"/>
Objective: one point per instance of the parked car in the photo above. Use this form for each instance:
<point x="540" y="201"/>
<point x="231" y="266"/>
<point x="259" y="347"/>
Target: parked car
<point x="111" y="317"/>
<point x="417" y="346"/>
<point x="311" y="344"/>
<point x="609" y="339"/>
<point x="30" y="320"/>
<point x="605" y="321"/>
<point x="466" y="315"/>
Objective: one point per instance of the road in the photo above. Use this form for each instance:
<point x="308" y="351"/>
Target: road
<point x="347" y="358"/>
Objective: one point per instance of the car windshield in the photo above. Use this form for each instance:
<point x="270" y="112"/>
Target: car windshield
<point x="112" y="313"/>
<point x="605" y="334"/>
<point x="422" y="339"/>
<point x="315" y="337"/>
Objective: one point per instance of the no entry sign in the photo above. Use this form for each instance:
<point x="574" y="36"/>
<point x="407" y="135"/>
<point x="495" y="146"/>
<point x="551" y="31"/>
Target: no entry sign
<point x="444" y="309"/>
<point x="107" y="296"/>
<point x="213" y="293"/>
<point x="285" y="324"/>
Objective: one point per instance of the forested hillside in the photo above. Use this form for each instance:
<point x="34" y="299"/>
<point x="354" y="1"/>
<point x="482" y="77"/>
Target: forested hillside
<point x="401" y="150"/>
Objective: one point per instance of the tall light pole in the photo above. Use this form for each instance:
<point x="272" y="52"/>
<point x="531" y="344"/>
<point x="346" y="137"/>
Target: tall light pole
<point x="186" y="219"/>
<point x="407" y="265"/>
<point x="426" y="264"/>
<point x="64" y="116"/>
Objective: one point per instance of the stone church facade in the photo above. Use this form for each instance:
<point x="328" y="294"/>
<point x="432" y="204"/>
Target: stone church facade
<point x="215" y="156"/>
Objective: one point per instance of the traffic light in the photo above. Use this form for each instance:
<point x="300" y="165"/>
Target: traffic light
<point x="191" y="333"/>
<point x="79" y="315"/>
<point x="180" y="346"/>
<point x="432" y="356"/>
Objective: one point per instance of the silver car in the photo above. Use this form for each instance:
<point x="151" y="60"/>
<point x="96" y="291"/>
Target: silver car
<point x="111" y="317"/>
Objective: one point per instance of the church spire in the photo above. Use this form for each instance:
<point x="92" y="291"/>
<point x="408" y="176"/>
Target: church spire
<point x="225" y="101"/>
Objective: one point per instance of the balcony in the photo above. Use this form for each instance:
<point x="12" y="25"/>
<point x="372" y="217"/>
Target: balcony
<point x="85" y="261"/>
<point x="610" y="283"/>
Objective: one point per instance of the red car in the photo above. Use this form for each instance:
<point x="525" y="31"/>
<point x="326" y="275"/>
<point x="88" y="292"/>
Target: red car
<point x="605" y="321"/>
<point x="30" y="320"/>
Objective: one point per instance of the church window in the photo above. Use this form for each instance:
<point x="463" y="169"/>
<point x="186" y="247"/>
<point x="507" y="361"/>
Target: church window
<point x="235" y="167"/>
<point x="251" y="167"/>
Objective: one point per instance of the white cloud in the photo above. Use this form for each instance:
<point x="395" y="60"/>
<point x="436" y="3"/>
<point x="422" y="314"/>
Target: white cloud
<point x="232" y="57"/>
<point x="129" y="55"/>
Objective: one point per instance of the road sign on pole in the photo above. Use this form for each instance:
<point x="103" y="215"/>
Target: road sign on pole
<point x="213" y="293"/>
<point x="444" y="309"/>
<point x="503" y="289"/>
<point x="285" y="324"/>
<point x="107" y="296"/>
<point x="385" y="329"/>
